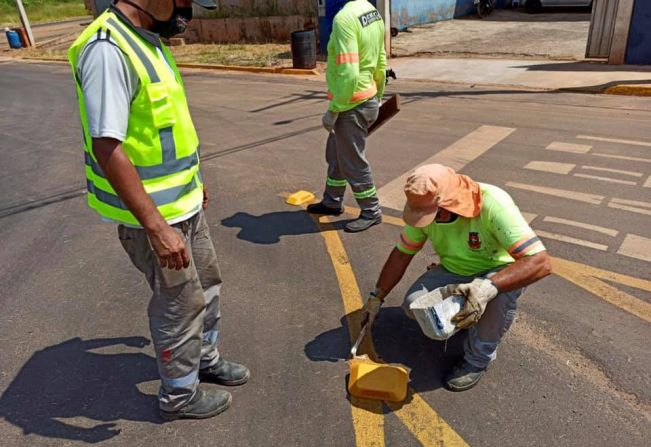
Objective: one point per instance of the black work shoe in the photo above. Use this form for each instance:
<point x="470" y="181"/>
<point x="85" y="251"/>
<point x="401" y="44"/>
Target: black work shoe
<point x="463" y="377"/>
<point x="206" y="403"/>
<point x="225" y="373"/>
<point x="320" y="208"/>
<point x="362" y="223"/>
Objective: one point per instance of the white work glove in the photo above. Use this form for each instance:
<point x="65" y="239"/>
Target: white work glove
<point x="477" y="293"/>
<point x="371" y="308"/>
<point x="329" y="120"/>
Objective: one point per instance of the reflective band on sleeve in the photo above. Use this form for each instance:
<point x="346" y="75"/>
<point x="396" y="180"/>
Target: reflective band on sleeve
<point x="365" y="194"/>
<point x="151" y="72"/>
<point x="409" y="244"/>
<point x="335" y="183"/>
<point x="347" y="58"/>
<point x="524" y="246"/>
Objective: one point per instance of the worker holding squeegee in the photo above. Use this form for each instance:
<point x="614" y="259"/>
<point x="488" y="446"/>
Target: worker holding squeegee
<point x="488" y="255"/>
<point x="356" y="78"/>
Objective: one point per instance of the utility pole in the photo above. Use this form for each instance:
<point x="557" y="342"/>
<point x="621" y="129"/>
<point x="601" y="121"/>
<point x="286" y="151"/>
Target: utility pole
<point x="25" y="22"/>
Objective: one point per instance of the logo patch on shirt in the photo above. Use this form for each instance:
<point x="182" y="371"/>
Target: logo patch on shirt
<point x="369" y="17"/>
<point x="473" y="241"/>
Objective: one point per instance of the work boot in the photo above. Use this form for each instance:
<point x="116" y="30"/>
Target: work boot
<point x="225" y="373"/>
<point x="463" y="376"/>
<point x="362" y="223"/>
<point x="205" y="403"/>
<point x="320" y="208"/>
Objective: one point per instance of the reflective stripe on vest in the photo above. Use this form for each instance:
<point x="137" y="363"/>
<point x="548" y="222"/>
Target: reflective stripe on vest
<point x="161" y="140"/>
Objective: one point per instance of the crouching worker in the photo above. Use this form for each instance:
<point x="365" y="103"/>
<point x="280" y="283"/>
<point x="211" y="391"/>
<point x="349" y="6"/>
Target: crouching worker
<point x="488" y="254"/>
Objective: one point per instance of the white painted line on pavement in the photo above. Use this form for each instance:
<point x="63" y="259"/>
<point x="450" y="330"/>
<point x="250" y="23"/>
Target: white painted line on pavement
<point x="629" y="208"/>
<point x="622" y="157"/>
<point x="572" y="240"/>
<point x="631" y="202"/>
<point x="456" y="156"/>
<point x="550" y="166"/>
<point x="586" y="226"/>
<point x="569" y="147"/>
<point x="616" y="171"/>
<point x="637" y="247"/>
<point x="647" y="184"/>
<point x="529" y="217"/>
<point x="606" y="179"/>
<point x="594" y="199"/>
<point x="614" y="140"/>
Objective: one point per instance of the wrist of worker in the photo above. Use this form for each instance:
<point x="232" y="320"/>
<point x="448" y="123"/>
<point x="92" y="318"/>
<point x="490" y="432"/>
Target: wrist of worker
<point x="378" y="293"/>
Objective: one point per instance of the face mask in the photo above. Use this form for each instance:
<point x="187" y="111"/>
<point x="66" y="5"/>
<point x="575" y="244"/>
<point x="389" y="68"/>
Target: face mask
<point x="176" y="25"/>
<point x="168" y="28"/>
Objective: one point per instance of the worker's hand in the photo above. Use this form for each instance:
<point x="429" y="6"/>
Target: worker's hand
<point x="206" y="197"/>
<point x="329" y="120"/>
<point x="371" y="308"/>
<point x="477" y="293"/>
<point x="170" y="248"/>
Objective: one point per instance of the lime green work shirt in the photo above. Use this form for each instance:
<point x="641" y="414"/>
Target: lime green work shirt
<point x="356" y="57"/>
<point x="468" y="246"/>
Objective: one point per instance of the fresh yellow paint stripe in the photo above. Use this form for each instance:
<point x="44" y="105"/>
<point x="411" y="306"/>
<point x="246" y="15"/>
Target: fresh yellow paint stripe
<point x="421" y="419"/>
<point x="590" y="279"/>
<point x="425" y="424"/>
<point x="368" y="417"/>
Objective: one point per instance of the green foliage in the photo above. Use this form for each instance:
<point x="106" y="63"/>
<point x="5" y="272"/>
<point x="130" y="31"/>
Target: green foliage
<point x="41" y="10"/>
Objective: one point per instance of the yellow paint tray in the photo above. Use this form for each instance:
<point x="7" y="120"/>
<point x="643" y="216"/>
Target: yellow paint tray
<point x="373" y="380"/>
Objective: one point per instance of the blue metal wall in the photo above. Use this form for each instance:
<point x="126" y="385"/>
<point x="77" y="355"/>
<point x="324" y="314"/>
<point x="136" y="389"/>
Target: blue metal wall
<point x="405" y="13"/>
<point x="639" y="36"/>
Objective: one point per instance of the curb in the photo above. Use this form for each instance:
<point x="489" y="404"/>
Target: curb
<point x="265" y="70"/>
<point x="629" y="90"/>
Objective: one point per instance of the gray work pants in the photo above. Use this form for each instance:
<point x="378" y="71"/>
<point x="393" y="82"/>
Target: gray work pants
<point x="184" y="309"/>
<point x="484" y="337"/>
<point x="347" y="162"/>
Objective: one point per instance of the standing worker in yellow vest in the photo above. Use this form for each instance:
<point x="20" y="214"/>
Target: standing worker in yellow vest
<point x="356" y="78"/>
<point x="142" y="171"/>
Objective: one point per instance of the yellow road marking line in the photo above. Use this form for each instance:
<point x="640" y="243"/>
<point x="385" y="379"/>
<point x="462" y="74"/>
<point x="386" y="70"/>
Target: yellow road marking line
<point x="456" y="156"/>
<point x="425" y="424"/>
<point x="591" y="279"/>
<point x="368" y="418"/>
<point x="421" y="419"/>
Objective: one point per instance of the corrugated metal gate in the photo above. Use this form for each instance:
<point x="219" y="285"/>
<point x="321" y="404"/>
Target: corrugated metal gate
<point x="602" y="27"/>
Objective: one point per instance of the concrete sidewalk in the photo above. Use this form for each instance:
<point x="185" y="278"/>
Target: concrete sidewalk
<point x="586" y="76"/>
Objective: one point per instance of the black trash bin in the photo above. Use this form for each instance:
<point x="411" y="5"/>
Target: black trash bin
<point x="304" y="49"/>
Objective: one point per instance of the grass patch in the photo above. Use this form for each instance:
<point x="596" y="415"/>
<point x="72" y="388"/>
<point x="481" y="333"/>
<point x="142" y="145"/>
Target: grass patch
<point x="258" y="55"/>
<point x="248" y="55"/>
<point x="41" y="11"/>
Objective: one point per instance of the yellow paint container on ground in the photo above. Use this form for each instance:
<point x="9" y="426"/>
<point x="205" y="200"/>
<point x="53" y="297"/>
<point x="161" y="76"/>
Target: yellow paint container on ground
<point x="300" y="198"/>
<point x="372" y="380"/>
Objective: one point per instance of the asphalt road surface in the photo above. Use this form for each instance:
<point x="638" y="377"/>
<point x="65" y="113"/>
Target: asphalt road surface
<point x="76" y="364"/>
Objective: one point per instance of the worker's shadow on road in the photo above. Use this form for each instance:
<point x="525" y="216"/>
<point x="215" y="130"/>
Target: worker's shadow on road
<point x="267" y="229"/>
<point x="397" y="339"/>
<point x="67" y="391"/>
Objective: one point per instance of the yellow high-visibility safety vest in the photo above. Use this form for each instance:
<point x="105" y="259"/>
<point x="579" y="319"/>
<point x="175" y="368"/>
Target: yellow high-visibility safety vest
<point x="161" y="139"/>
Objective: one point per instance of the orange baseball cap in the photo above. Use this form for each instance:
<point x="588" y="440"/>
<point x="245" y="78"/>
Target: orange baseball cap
<point x="432" y="186"/>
